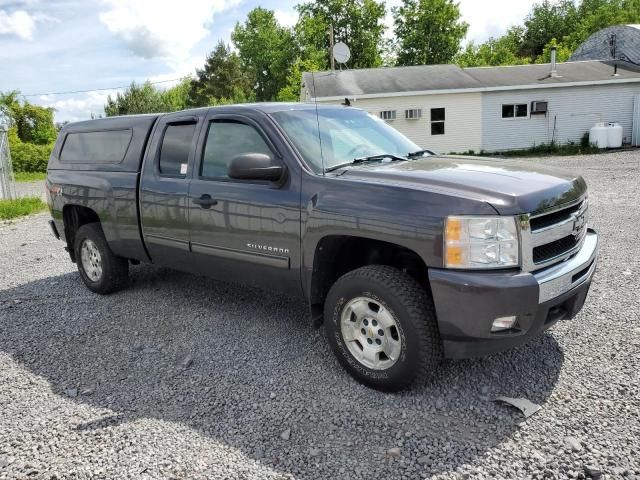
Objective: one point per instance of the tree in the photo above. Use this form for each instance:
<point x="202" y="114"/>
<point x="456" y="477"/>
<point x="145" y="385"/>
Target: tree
<point x="546" y="21"/>
<point x="266" y="50"/>
<point x="33" y="123"/>
<point x="493" y="52"/>
<point x="221" y="78"/>
<point x="428" y="31"/>
<point x="562" y="52"/>
<point x="176" y="98"/>
<point x="291" y="91"/>
<point x="146" y="98"/>
<point x="358" y="23"/>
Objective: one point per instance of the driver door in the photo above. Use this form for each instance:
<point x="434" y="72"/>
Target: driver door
<point x="243" y="231"/>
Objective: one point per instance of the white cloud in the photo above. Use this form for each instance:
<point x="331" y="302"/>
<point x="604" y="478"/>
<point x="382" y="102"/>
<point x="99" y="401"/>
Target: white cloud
<point x="18" y="23"/>
<point x="492" y="19"/>
<point x="287" y="18"/>
<point x="167" y="29"/>
<point x="78" y="107"/>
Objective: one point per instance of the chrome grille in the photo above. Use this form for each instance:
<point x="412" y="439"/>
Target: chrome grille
<point x="554" y="235"/>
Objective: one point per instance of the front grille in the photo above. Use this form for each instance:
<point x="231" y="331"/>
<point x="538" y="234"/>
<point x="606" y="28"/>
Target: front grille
<point x="551" y="250"/>
<point x="544" y="221"/>
<point x="551" y="237"/>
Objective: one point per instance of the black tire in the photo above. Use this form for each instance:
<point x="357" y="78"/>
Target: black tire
<point x="115" y="270"/>
<point x="413" y="311"/>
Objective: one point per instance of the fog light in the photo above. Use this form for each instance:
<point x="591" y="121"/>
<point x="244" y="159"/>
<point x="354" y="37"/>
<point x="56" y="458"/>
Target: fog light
<point x="503" y="323"/>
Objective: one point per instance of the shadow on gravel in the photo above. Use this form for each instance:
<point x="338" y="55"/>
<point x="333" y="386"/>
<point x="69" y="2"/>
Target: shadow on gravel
<point x="242" y="366"/>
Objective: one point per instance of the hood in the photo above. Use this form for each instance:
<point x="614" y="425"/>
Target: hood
<point x="511" y="187"/>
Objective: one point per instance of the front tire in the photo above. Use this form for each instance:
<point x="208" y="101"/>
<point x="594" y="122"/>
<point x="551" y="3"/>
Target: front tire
<point x="100" y="270"/>
<point x="381" y="324"/>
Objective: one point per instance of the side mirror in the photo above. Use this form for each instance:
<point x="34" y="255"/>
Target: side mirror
<point x="254" y="166"/>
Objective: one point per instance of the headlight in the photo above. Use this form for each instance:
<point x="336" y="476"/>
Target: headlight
<point x="481" y="242"/>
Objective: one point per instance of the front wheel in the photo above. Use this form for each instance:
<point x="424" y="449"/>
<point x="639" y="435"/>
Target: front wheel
<point x="381" y="324"/>
<point x="100" y="270"/>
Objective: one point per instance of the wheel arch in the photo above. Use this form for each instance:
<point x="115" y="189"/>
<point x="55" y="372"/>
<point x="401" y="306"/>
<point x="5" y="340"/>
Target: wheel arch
<point x="336" y="255"/>
<point x="73" y="217"/>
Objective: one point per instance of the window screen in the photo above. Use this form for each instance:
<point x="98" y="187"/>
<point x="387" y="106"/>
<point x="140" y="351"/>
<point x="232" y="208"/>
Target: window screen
<point x="96" y="147"/>
<point x="176" y="145"/>
<point x="413" y="114"/>
<point x="437" y="121"/>
<point x="388" y="114"/>
<point x="225" y="140"/>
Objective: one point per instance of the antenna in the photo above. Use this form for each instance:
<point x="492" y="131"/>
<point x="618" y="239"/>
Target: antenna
<point x="613" y="45"/>
<point x="340" y="53"/>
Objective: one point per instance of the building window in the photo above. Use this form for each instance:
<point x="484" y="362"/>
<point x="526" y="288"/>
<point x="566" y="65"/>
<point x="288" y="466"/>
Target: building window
<point x="413" y="114"/>
<point x="517" y="110"/>
<point x="388" y="115"/>
<point x="437" y="121"/>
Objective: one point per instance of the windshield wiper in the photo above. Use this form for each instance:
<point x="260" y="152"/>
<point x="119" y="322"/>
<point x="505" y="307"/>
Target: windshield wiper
<point x="371" y="158"/>
<point x="419" y="153"/>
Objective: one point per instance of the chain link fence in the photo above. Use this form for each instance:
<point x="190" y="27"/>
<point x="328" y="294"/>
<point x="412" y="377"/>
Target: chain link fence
<point x="7" y="183"/>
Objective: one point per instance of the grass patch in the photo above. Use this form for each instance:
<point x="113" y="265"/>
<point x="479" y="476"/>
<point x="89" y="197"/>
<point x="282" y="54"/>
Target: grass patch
<point x="20" y="207"/>
<point x="30" y="176"/>
<point x="544" y="150"/>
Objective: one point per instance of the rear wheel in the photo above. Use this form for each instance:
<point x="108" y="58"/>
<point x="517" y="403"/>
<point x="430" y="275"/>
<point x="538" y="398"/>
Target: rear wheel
<point x="382" y="326"/>
<point x="100" y="270"/>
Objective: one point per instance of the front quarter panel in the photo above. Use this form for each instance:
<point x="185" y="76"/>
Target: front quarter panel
<point x="411" y="218"/>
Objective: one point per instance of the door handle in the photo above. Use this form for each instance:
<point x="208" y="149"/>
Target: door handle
<point x="205" y="201"/>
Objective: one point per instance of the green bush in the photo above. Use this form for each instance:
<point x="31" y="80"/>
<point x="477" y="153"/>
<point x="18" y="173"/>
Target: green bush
<point x="28" y="157"/>
<point x="20" y="207"/>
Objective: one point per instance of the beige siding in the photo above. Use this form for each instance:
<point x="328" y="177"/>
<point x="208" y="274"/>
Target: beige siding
<point x="572" y="112"/>
<point x="463" y="129"/>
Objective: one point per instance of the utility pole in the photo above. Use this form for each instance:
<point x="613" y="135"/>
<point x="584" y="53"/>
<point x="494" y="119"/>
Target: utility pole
<point x="333" y="62"/>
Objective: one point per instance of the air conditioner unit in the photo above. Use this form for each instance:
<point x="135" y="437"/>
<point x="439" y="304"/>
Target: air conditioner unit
<point x="539" y="107"/>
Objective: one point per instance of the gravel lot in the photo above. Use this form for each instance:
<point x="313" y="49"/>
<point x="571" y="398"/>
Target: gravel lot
<point x="183" y="377"/>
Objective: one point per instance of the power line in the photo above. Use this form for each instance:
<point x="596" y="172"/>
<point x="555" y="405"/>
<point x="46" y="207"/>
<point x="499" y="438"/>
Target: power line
<point x="95" y="89"/>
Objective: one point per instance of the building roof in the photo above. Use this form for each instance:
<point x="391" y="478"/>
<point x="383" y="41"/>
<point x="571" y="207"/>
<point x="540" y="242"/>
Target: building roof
<point x="619" y="42"/>
<point x="430" y="79"/>
<point x="571" y="72"/>
<point x="387" y="80"/>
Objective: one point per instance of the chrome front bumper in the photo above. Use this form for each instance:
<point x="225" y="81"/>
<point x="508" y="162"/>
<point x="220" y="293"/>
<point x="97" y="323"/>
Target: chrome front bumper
<point x="567" y="275"/>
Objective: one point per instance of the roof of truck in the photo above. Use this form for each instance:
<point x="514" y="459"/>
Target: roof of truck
<point x="124" y="121"/>
<point x="128" y="121"/>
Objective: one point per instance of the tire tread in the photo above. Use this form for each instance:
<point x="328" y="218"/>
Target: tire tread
<point x="419" y="305"/>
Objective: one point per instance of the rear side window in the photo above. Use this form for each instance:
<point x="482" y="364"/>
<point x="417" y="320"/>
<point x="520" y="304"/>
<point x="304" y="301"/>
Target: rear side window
<point x="176" y="145"/>
<point x="108" y="146"/>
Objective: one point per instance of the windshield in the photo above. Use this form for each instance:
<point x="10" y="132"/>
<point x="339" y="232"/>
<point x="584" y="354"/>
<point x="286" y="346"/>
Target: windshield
<point x="346" y="134"/>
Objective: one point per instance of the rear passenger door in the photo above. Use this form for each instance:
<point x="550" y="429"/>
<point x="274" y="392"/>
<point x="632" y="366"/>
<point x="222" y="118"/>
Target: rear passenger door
<point x="247" y="231"/>
<point x="164" y="188"/>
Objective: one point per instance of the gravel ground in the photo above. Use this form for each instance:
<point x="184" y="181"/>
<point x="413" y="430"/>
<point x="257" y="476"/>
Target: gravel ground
<point x="182" y="377"/>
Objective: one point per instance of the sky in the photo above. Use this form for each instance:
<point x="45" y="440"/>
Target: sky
<point x="53" y="46"/>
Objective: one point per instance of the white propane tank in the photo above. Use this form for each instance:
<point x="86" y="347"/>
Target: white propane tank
<point x="614" y="135"/>
<point x="599" y="135"/>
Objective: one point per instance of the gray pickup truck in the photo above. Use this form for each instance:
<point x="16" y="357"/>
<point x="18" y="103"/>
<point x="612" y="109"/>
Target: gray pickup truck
<point x="405" y="256"/>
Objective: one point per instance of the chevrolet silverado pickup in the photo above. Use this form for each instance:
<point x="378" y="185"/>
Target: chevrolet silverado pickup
<point x="403" y="255"/>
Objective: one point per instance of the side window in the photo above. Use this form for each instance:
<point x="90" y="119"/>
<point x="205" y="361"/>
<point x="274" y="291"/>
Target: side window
<point x="175" y="148"/>
<point x="437" y="121"/>
<point x="225" y="140"/>
<point x="109" y="146"/>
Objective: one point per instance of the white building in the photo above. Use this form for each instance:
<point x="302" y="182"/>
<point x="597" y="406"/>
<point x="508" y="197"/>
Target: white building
<point x="451" y="109"/>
